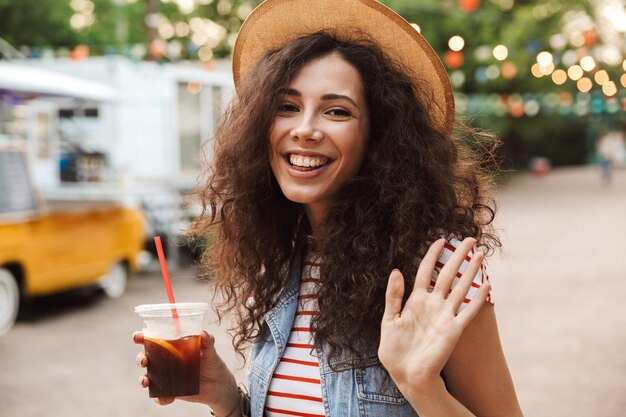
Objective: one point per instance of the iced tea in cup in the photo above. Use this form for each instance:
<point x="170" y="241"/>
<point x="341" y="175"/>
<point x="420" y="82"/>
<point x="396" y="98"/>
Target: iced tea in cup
<point x="171" y="335"/>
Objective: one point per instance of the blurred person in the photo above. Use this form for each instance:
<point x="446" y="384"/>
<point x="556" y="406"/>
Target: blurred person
<point x="347" y="227"/>
<point x="611" y="151"/>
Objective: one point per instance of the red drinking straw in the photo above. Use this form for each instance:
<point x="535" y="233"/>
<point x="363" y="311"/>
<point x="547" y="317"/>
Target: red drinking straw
<point x="166" y="280"/>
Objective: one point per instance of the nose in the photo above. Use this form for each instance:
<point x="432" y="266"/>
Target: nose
<point x="306" y="129"/>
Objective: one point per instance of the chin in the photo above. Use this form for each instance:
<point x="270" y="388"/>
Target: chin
<point x="299" y="196"/>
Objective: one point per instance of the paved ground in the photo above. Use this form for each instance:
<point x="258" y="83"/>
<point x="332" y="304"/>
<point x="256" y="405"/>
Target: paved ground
<point x="559" y="285"/>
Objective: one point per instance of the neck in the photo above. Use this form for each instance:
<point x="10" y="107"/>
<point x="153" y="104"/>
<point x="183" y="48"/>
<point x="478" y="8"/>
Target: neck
<point x="315" y="214"/>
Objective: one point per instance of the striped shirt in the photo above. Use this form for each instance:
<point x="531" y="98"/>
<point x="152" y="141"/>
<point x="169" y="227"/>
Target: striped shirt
<point x="295" y="389"/>
<point x="479" y="279"/>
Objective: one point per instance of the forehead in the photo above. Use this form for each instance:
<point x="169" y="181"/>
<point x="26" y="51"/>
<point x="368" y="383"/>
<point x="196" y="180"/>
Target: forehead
<point x="329" y="74"/>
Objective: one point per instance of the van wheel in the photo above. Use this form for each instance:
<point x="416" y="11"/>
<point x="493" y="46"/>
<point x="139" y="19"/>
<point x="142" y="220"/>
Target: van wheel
<point x="9" y="300"/>
<point x="114" y="283"/>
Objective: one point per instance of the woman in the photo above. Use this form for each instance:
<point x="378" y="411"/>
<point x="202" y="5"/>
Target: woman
<point x="344" y="226"/>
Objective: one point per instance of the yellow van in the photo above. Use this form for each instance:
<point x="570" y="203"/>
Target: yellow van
<point x="67" y="246"/>
<point x="54" y="246"/>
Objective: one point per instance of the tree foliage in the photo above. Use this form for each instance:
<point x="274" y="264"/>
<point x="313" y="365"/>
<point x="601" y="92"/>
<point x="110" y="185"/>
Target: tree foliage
<point x="119" y="26"/>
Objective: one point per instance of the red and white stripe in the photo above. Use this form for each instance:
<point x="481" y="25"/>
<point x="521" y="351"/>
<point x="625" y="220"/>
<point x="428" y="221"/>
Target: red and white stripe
<point x="479" y="279"/>
<point x="295" y="388"/>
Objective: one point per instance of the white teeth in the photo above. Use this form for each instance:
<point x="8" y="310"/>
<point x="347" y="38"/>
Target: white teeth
<point x="307" y="161"/>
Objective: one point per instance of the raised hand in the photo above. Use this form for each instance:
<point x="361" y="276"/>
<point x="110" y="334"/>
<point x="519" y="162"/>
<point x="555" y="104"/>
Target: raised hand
<point x="218" y="388"/>
<point x="417" y="339"/>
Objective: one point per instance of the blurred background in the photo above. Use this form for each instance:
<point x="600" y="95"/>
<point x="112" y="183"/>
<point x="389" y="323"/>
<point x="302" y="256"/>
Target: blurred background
<point x="105" y="110"/>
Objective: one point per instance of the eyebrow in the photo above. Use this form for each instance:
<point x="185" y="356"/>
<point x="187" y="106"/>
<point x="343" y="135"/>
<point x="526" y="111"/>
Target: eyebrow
<point x="296" y="93"/>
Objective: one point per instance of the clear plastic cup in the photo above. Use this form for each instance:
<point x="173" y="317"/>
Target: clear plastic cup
<point x="172" y="347"/>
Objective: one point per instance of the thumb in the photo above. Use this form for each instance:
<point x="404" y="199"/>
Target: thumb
<point x="207" y="341"/>
<point x="393" y="295"/>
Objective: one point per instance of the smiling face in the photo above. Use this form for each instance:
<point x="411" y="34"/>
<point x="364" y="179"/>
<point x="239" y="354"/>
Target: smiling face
<point x="319" y="135"/>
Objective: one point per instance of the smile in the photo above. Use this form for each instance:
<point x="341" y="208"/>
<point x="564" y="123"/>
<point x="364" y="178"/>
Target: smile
<point x="305" y="162"/>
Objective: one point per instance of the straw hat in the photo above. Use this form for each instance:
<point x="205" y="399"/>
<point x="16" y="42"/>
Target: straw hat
<point x="275" y="22"/>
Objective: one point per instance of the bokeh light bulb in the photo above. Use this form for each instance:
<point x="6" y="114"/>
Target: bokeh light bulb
<point x="456" y="43"/>
<point x="559" y="77"/>
<point x="544" y="58"/>
<point x="575" y="72"/>
<point x="588" y="63"/>
<point x="601" y="77"/>
<point x="500" y="52"/>
<point x="584" y="84"/>
<point x="547" y="70"/>
<point x="609" y="88"/>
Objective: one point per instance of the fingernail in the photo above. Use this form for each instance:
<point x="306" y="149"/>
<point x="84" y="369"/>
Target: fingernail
<point x="143" y="361"/>
<point x="143" y="381"/>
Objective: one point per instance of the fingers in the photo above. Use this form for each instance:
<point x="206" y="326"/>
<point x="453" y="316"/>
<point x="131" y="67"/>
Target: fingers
<point x="427" y="266"/>
<point x="141" y="360"/>
<point x="138" y="338"/>
<point x="474" y="306"/>
<point x="393" y="295"/>
<point x="144" y="382"/>
<point x="461" y="289"/>
<point x="207" y="341"/>
<point x="164" y="400"/>
<point x="452" y="266"/>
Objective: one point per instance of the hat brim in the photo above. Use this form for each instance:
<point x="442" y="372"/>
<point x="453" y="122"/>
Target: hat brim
<point x="275" y="22"/>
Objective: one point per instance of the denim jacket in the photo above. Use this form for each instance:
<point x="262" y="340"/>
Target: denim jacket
<point x="363" y="390"/>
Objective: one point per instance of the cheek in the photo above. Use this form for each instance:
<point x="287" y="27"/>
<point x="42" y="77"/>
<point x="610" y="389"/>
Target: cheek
<point x="355" y="151"/>
<point x="273" y="138"/>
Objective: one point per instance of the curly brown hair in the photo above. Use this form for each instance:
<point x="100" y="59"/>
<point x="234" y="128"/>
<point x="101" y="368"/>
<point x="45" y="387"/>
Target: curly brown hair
<point x="415" y="183"/>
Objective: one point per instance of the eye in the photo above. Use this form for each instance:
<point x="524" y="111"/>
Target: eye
<point x="339" y="112"/>
<point x="287" y="108"/>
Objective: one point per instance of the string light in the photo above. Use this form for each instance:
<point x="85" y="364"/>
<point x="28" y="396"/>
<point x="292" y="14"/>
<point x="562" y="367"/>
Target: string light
<point x="547" y="70"/>
<point x="609" y="88"/>
<point x="205" y="54"/>
<point x="500" y="52"/>
<point x="545" y="58"/>
<point x="569" y="58"/>
<point x="456" y="43"/>
<point x="559" y="77"/>
<point x="509" y="70"/>
<point x="536" y="70"/>
<point x="601" y="77"/>
<point x="623" y="80"/>
<point x="584" y="84"/>
<point x="182" y="29"/>
<point x="493" y="72"/>
<point x="575" y="72"/>
<point x="588" y="63"/>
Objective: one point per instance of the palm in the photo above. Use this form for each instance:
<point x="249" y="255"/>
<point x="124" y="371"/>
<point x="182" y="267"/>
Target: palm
<point x="214" y="375"/>
<point x="418" y="338"/>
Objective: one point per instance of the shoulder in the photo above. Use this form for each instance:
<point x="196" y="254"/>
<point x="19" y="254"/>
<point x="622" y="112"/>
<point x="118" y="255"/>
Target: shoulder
<point x="451" y="245"/>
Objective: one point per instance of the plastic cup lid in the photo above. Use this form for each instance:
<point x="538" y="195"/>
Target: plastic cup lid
<point x="152" y="308"/>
